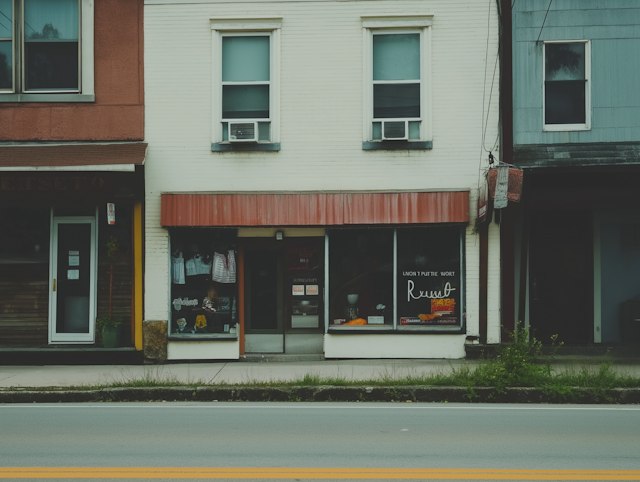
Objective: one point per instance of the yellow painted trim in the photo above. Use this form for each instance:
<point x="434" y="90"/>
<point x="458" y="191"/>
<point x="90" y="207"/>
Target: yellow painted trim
<point x="309" y="473"/>
<point x="137" y="267"/>
<point x="288" y="232"/>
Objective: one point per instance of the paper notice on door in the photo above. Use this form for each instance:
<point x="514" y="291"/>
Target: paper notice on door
<point x="74" y="260"/>
<point x="73" y="274"/>
<point x="298" y="290"/>
<point x="312" y="289"/>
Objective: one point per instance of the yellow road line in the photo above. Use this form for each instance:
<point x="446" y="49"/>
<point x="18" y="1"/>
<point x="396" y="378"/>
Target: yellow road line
<point x="308" y="473"/>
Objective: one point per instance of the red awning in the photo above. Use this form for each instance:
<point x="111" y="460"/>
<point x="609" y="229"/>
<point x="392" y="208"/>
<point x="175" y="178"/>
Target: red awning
<point x="72" y="155"/>
<point x="315" y="209"/>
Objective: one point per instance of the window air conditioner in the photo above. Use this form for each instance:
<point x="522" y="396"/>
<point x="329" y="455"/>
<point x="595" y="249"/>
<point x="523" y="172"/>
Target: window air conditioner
<point x="396" y="130"/>
<point x="243" y="131"/>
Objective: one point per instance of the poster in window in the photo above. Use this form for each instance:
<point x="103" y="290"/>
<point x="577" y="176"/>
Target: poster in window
<point x="429" y="274"/>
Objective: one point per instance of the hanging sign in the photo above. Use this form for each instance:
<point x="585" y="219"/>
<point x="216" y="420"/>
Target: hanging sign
<point x="111" y="213"/>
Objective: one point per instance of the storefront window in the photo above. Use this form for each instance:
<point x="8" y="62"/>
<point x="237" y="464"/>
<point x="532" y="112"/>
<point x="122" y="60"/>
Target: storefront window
<point x="203" y="283"/>
<point x="424" y="264"/>
<point x="429" y="278"/>
<point x="361" y="279"/>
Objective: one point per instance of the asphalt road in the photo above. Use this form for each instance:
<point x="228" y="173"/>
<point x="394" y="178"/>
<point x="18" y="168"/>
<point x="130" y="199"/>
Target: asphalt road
<point x="513" y="441"/>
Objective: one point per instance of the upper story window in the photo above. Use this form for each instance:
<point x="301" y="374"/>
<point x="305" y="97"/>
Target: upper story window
<point x="397" y="103"/>
<point x="46" y="50"/>
<point x="396" y="86"/>
<point x="245" y="110"/>
<point x="246" y="79"/>
<point x="567" y="96"/>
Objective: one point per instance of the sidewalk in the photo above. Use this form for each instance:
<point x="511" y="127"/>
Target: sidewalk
<point x="247" y="372"/>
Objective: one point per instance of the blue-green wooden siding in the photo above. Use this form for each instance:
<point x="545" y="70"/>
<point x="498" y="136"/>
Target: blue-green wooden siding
<point x="613" y="27"/>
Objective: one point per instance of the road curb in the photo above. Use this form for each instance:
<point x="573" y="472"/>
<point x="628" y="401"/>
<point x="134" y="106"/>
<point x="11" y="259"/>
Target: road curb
<point x="326" y="394"/>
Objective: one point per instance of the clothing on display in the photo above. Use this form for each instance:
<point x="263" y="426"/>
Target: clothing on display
<point x="201" y="265"/>
<point x="190" y="266"/>
<point x="224" y="268"/>
<point x="177" y="269"/>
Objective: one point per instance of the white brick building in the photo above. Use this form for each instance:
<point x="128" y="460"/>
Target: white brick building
<point x="366" y="115"/>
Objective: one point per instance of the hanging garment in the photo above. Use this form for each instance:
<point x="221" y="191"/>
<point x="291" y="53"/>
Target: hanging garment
<point x="224" y="268"/>
<point x="177" y="269"/>
<point x="190" y="265"/>
<point x="201" y="266"/>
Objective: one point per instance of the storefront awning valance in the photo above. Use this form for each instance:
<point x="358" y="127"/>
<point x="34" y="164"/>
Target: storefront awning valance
<point x="72" y="156"/>
<point x="314" y="209"/>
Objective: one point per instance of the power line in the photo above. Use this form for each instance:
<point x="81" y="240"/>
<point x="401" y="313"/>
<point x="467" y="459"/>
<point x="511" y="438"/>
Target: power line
<point x="545" y="19"/>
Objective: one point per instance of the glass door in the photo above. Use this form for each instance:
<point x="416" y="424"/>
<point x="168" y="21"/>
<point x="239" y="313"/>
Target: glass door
<point x="72" y="310"/>
<point x="264" y="302"/>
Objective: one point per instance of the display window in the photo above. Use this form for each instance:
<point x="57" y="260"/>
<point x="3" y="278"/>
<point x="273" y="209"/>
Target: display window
<point x="361" y="278"/>
<point x="203" y="283"/>
<point x="429" y="289"/>
<point x="405" y="279"/>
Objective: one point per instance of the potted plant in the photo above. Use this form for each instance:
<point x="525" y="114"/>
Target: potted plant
<point x="109" y="324"/>
<point x="109" y="327"/>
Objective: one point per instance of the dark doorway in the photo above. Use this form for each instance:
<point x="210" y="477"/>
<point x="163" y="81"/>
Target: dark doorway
<point x="561" y="280"/>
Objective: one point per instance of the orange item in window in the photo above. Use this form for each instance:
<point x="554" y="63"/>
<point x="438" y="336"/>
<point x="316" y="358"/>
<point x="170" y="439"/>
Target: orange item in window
<point x="443" y="306"/>
<point x="357" y="321"/>
<point x="425" y="317"/>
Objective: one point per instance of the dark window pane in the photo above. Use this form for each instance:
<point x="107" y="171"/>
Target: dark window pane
<point x="396" y="101"/>
<point x="361" y="275"/>
<point x="245" y="101"/>
<point x="565" y="61"/>
<point x="565" y="102"/>
<point x="6" y="68"/>
<point x="51" y="65"/>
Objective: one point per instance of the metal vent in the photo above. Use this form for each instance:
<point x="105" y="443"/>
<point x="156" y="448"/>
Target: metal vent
<point x="243" y="131"/>
<point x="395" y="130"/>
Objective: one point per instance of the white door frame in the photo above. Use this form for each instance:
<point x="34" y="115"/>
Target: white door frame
<point x="72" y="338"/>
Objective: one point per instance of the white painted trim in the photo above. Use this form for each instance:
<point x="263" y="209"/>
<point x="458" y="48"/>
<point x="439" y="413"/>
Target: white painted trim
<point x="203" y="350"/>
<point x="587" y="89"/>
<point x="245" y="23"/>
<point x="87" y="84"/>
<point x="394" y="346"/>
<point x="73" y="338"/>
<point x="397" y="20"/>
<point x="98" y="168"/>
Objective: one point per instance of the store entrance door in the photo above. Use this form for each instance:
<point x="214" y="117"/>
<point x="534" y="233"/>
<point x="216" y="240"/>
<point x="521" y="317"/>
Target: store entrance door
<point x="72" y="299"/>
<point x="264" y="308"/>
<point x="561" y="284"/>
<point x="283" y="296"/>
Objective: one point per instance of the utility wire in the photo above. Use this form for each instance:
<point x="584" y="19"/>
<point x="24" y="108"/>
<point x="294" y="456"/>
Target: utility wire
<point x="545" y="19"/>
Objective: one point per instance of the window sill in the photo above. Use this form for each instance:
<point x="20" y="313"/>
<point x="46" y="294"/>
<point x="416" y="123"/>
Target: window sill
<point x="354" y="330"/>
<point x="245" y="147"/>
<point x="397" y="145"/>
<point x="204" y="337"/>
<point x="47" y="98"/>
<point x="565" y="127"/>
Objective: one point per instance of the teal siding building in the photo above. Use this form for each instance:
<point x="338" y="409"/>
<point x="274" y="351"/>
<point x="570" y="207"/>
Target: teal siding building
<point x="572" y="246"/>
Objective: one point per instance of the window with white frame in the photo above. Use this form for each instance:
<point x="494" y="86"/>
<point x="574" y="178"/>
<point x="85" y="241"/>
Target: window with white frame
<point x="46" y="47"/>
<point x="245" y="81"/>
<point x="566" y="86"/>
<point x="397" y="106"/>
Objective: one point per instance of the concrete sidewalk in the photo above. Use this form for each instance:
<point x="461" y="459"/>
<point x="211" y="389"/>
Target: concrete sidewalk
<point x="248" y="372"/>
